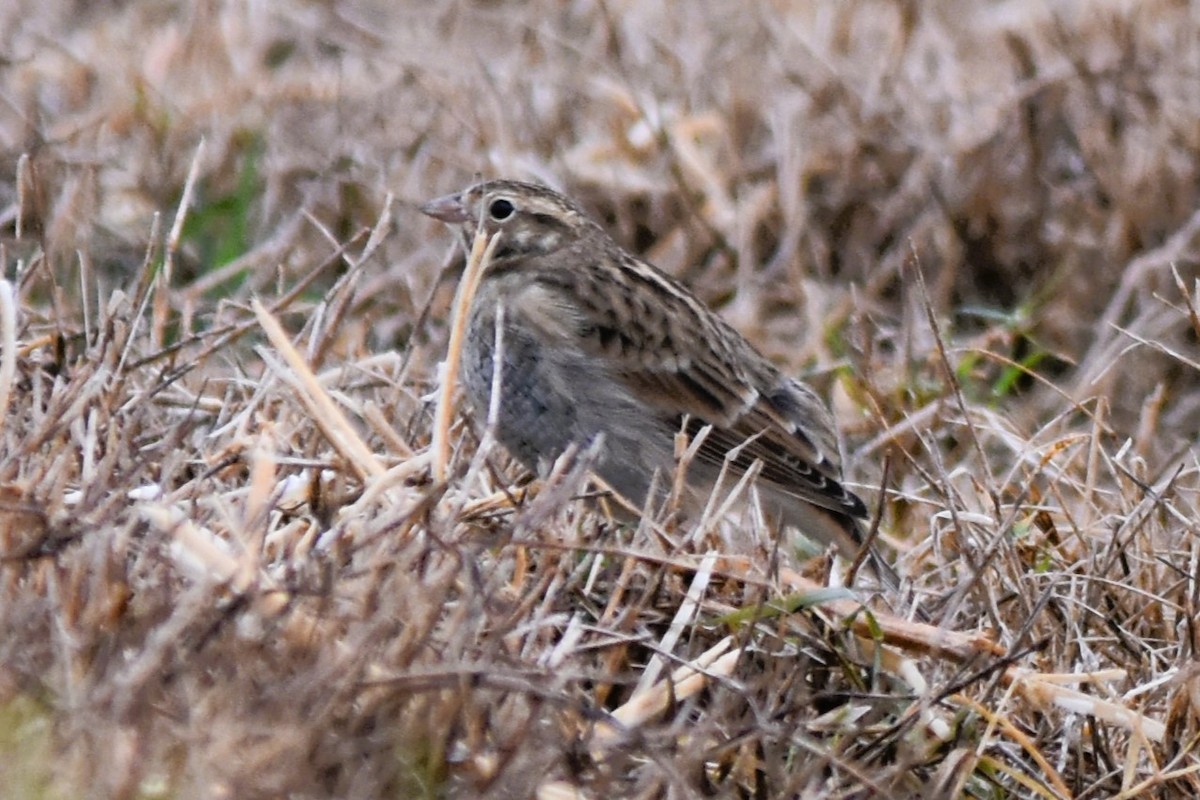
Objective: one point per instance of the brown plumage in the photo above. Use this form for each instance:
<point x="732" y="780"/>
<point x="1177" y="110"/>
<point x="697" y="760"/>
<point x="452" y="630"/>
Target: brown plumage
<point x="597" y="343"/>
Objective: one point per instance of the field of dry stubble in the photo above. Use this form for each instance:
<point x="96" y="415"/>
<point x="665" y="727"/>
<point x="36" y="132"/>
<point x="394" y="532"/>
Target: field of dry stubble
<point x="233" y="562"/>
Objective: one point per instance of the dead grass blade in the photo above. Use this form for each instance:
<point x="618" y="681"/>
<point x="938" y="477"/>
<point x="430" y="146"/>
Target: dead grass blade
<point x="321" y="408"/>
<point x="477" y="261"/>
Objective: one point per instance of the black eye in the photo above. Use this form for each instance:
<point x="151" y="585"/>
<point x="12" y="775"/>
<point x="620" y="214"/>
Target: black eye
<point x="501" y="209"/>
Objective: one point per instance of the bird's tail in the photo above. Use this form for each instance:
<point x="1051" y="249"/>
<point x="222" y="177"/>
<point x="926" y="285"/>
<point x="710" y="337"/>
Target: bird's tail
<point x="884" y="571"/>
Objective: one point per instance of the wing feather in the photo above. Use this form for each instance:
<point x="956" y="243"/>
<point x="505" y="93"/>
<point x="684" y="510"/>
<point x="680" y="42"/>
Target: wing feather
<point x="683" y="363"/>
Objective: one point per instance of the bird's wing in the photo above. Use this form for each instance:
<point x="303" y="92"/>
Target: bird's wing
<point x="798" y="452"/>
<point x="681" y="362"/>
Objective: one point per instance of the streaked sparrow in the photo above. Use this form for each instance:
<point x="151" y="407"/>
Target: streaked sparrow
<point x="598" y="343"/>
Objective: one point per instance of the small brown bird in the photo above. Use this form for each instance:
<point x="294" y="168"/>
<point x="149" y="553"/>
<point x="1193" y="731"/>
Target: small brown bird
<point x="597" y="343"/>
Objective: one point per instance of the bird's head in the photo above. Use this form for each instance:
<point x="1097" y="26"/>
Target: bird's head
<point x="532" y="220"/>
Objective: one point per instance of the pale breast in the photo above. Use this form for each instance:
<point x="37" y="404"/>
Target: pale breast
<point x="553" y="394"/>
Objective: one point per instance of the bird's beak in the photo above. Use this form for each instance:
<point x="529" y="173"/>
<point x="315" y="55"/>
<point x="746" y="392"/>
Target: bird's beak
<point x="448" y="209"/>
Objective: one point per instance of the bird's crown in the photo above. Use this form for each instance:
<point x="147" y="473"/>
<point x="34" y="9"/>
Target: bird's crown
<point x="532" y="219"/>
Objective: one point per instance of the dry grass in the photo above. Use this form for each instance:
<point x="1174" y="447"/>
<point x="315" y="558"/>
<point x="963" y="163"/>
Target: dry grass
<point x="229" y="570"/>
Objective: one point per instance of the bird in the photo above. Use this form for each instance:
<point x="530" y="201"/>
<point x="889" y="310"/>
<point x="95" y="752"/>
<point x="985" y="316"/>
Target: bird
<point x="601" y="349"/>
